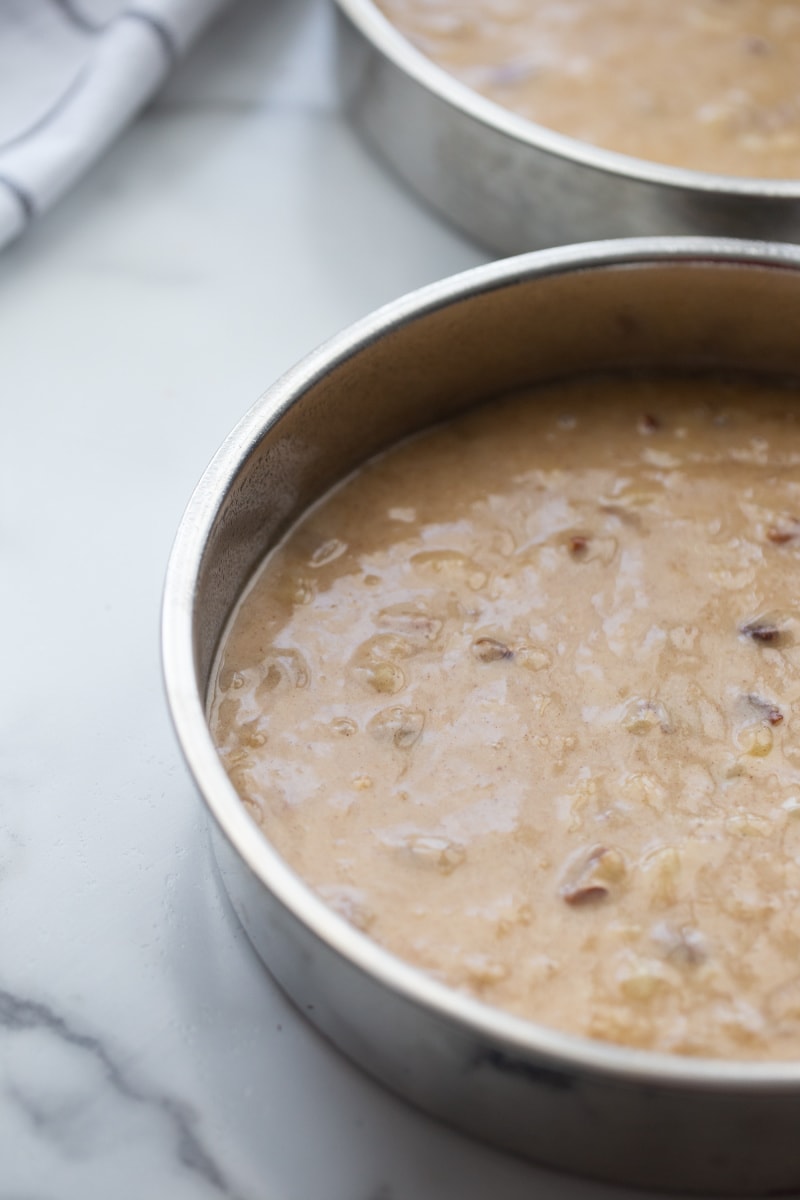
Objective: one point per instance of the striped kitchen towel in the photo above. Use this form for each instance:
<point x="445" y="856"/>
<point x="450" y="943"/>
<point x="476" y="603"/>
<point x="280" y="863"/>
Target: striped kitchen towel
<point x="72" y="75"/>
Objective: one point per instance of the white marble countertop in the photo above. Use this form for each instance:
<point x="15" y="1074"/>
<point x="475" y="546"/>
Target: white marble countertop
<point x="144" y="1051"/>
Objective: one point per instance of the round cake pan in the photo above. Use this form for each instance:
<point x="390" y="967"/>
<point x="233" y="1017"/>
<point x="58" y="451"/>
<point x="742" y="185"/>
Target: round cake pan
<point x="615" y="1113"/>
<point x="514" y="185"/>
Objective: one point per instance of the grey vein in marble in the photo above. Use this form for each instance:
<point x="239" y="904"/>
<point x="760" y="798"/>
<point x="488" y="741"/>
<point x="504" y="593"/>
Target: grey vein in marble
<point x="20" y="1015"/>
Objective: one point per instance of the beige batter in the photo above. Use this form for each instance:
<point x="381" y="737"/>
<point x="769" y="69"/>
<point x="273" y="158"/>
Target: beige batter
<point x="709" y="84"/>
<point x="520" y="700"/>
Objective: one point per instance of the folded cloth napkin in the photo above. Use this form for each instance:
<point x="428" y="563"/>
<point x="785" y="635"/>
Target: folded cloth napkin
<point x="72" y="74"/>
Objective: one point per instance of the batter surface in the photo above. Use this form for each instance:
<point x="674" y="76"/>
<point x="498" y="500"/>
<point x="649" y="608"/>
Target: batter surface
<point x="708" y="84"/>
<point x="520" y="701"/>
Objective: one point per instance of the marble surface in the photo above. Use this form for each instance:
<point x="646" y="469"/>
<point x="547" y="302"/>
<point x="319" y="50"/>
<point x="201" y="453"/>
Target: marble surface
<point x="144" y="1051"/>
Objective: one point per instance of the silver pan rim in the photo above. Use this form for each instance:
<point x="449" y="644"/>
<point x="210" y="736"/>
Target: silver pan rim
<point x="582" y="1056"/>
<point x="396" y="48"/>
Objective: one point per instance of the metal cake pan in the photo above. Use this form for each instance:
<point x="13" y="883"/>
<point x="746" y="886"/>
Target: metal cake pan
<point x="513" y="185"/>
<point x="614" y="1113"/>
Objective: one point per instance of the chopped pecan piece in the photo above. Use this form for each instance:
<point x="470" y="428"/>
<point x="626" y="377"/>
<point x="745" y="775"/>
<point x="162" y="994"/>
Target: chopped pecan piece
<point x="592" y="879"/>
<point x="585" y="894"/>
<point x="763" y="632"/>
<point x="765" y="708"/>
<point x="399" y="726"/>
<point x="774" y="627"/>
<point x="779" y="536"/>
<point x="786" y="529"/>
<point x="488" y="650"/>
